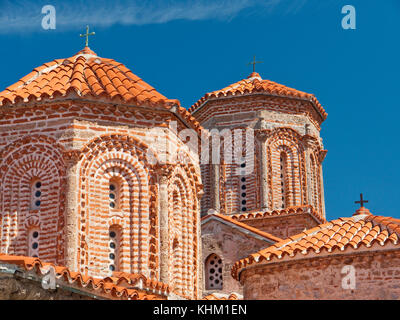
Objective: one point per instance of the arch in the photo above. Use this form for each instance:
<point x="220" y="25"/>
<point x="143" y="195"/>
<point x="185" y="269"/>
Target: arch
<point x="287" y="143"/>
<point x="315" y="184"/>
<point x="123" y="158"/>
<point x="183" y="207"/>
<point x="283" y="178"/>
<point x="23" y="161"/>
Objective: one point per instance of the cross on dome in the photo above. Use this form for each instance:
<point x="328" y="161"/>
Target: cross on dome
<point x="87" y="34"/>
<point x="362" y="201"/>
<point x="254" y="62"/>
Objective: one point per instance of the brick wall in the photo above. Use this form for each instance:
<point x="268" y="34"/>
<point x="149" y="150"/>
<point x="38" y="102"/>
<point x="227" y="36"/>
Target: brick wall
<point x="292" y="130"/>
<point x="75" y="149"/>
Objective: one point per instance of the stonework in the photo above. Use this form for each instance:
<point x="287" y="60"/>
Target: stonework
<point x="286" y="224"/>
<point x="377" y="278"/>
<point x="12" y="288"/>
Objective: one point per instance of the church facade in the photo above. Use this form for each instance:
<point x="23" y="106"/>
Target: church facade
<point x="121" y="193"/>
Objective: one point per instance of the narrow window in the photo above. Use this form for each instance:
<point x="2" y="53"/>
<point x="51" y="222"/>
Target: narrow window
<point x="314" y="184"/>
<point x="243" y="187"/>
<point x="36" y="194"/>
<point x="213" y="269"/>
<point x="114" y="245"/>
<point x="283" y="189"/>
<point x="114" y="194"/>
<point x="33" y="243"/>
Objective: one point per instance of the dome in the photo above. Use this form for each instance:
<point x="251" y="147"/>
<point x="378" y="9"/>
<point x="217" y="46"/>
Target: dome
<point x="254" y="84"/>
<point x="87" y="75"/>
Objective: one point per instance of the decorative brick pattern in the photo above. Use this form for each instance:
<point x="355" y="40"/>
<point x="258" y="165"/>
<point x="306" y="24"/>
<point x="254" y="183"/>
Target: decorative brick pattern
<point x="23" y="162"/>
<point x="120" y="134"/>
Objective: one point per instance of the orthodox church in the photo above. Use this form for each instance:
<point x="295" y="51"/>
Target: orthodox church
<point x="105" y="194"/>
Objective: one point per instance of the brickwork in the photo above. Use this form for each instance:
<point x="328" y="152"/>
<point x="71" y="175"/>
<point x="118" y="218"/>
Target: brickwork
<point x="290" y="133"/>
<point x="78" y="151"/>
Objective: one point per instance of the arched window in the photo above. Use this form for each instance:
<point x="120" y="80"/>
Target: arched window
<point x="36" y="194"/>
<point x="33" y="242"/>
<point x="114" y="194"/>
<point x="314" y="183"/>
<point x="243" y="187"/>
<point x="213" y="270"/>
<point x="283" y="187"/>
<point x="114" y="248"/>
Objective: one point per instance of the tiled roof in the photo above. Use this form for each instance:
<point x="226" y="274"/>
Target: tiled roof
<point x="255" y="84"/>
<point x="358" y="232"/>
<point x="241" y="225"/>
<point x="89" y="76"/>
<point x="275" y="213"/>
<point x="219" y="296"/>
<point x="86" y="74"/>
<point x="120" y="286"/>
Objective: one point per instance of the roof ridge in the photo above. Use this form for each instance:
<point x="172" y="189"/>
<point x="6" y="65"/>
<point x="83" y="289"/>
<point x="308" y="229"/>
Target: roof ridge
<point x="347" y="232"/>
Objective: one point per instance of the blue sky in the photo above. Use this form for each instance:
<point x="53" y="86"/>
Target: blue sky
<point x="188" y="48"/>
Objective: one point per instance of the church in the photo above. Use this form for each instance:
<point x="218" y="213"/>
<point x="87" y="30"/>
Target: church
<point x="110" y="190"/>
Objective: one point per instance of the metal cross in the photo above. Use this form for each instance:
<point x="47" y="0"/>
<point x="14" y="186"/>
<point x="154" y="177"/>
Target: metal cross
<point x="254" y="62"/>
<point x="362" y="201"/>
<point x="87" y="34"/>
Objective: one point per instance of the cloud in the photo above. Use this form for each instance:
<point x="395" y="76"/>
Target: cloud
<point x="25" y="16"/>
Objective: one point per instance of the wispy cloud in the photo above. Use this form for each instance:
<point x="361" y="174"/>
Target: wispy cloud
<point x="25" y="16"/>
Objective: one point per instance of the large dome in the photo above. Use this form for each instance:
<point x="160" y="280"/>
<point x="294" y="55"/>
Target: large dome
<point x="86" y="75"/>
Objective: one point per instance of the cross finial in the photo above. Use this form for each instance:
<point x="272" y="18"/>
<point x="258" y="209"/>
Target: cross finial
<point x="254" y="62"/>
<point x="87" y="34"/>
<point x="362" y="201"/>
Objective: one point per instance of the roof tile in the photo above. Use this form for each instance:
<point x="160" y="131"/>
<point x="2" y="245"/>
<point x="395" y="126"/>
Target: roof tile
<point x="357" y="231"/>
<point x="87" y="74"/>
<point x="120" y="286"/>
<point x="253" y="84"/>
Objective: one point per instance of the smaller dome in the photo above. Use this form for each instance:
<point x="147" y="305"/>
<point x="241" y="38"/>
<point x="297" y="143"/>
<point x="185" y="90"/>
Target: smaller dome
<point x="254" y="84"/>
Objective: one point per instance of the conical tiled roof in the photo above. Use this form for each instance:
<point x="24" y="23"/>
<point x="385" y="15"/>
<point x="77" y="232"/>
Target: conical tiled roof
<point x="255" y="84"/>
<point x="87" y="75"/>
<point x="361" y="231"/>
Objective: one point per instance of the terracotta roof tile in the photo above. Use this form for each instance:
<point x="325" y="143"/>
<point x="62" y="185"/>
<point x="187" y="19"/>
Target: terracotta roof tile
<point x="361" y="230"/>
<point x="120" y="286"/>
<point x="255" y="84"/>
<point x="89" y="76"/>
<point x="86" y="74"/>
<point x="218" y="296"/>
